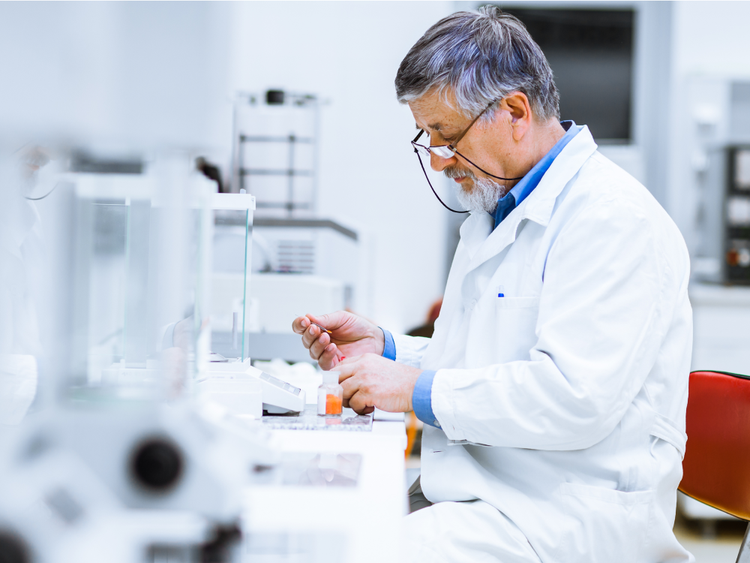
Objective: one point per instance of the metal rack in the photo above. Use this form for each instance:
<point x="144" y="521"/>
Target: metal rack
<point x="242" y="174"/>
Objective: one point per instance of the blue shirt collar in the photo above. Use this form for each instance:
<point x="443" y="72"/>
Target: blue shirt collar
<point x="531" y="180"/>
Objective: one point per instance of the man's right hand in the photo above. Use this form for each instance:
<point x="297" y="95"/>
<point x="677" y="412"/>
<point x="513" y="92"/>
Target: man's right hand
<point x="350" y="336"/>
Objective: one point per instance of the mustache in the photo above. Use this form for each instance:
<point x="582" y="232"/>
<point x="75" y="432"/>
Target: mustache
<point x="453" y="173"/>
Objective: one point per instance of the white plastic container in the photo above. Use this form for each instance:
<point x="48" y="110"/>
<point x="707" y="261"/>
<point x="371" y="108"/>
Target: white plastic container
<point x="330" y="395"/>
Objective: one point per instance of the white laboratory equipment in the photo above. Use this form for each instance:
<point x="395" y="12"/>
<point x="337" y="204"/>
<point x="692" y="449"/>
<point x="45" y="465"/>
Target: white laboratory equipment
<point x="59" y="510"/>
<point x="134" y="483"/>
<point x="137" y="248"/>
<point x="130" y="313"/>
<point x="298" y="267"/>
<point x="248" y="391"/>
<point x="228" y="377"/>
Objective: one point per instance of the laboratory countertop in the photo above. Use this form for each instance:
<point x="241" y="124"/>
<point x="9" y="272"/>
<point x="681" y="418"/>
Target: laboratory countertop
<point x="719" y="294"/>
<point x="340" y="496"/>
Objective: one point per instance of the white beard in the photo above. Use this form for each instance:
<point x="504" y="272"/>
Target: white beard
<point x="483" y="196"/>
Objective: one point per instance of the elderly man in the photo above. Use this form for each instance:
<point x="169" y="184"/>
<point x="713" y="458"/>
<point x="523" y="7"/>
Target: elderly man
<point x="553" y="391"/>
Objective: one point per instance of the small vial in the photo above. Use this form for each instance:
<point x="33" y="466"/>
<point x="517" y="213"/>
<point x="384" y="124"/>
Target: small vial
<point x="330" y="395"/>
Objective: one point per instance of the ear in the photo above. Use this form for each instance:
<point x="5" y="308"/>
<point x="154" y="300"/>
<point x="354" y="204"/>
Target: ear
<point x="519" y="109"/>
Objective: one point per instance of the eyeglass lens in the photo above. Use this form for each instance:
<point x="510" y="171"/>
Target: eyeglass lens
<point x="443" y="151"/>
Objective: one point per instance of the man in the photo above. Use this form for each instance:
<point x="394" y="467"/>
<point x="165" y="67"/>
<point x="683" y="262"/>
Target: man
<point x="553" y="390"/>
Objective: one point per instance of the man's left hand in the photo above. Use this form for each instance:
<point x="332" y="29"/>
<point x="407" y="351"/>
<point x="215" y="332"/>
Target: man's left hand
<point x="371" y="381"/>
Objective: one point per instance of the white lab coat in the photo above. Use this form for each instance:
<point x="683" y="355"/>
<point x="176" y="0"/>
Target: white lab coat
<point x="576" y="379"/>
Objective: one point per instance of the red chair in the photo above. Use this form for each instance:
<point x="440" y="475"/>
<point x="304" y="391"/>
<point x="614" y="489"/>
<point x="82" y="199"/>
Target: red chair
<point x="716" y="468"/>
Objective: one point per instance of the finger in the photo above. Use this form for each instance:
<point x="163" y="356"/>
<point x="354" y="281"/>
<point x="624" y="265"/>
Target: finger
<point x="329" y="358"/>
<point x="360" y="403"/>
<point x="350" y="389"/>
<point x="319" y="346"/>
<point x="310" y="335"/>
<point x="318" y="352"/>
<point x="342" y="360"/>
<point x="347" y="369"/>
<point x="345" y="372"/>
<point x="300" y="324"/>
<point x="316" y="339"/>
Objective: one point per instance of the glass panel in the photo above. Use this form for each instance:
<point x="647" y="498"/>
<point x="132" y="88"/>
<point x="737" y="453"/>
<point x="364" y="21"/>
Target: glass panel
<point x="232" y="311"/>
<point x="107" y="289"/>
<point x="248" y="262"/>
<point x="133" y="301"/>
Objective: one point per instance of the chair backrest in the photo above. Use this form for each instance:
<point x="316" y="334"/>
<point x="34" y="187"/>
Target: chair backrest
<point x="716" y="468"/>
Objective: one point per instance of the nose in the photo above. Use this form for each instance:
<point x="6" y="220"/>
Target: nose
<point x="438" y="164"/>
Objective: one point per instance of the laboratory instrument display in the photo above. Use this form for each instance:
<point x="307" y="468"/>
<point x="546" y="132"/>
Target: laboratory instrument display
<point x="280" y="397"/>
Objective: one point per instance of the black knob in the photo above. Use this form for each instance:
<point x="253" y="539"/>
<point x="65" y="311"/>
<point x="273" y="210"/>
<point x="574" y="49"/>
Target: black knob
<point x="275" y="97"/>
<point x="157" y="465"/>
<point x="13" y="549"/>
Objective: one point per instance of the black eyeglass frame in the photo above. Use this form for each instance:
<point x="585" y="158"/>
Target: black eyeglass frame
<point x="452" y="146"/>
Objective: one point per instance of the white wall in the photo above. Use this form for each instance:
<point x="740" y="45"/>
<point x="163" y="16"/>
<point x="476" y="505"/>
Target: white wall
<point x="349" y="52"/>
<point x="712" y="37"/>
<point x="118" y="76"/>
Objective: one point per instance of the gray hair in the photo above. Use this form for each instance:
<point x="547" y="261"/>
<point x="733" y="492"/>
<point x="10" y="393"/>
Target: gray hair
<point x="480" y="58"/>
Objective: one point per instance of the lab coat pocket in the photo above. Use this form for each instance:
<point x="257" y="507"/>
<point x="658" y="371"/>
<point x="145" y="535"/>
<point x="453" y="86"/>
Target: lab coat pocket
<point x="609" y="525"/>
<point x="515" y="323"/>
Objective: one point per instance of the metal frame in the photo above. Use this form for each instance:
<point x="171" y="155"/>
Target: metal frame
<point x="241" y="174"/>
<point x="744" y="555"/>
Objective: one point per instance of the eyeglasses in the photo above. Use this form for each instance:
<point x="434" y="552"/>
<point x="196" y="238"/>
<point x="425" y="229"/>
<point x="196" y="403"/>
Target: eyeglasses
<point x="449" y="151"/>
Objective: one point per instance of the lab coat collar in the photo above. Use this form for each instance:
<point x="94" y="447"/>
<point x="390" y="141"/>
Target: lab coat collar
<point x="482" y="243"/>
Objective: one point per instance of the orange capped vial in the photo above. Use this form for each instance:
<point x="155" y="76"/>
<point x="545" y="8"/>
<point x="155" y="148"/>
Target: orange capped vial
<point x="330" y="395"/>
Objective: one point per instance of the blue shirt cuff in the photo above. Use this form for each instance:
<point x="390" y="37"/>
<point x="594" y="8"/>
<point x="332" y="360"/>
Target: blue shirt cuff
<point x="389" y="350"/>
<point x="421" y="399"/>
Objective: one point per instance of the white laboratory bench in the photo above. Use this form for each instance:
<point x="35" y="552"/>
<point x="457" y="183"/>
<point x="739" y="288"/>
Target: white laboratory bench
<point x="289" y="523"/>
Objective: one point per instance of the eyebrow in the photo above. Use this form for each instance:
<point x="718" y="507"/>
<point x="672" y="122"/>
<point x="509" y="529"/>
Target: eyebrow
<point x="432" y="126"/>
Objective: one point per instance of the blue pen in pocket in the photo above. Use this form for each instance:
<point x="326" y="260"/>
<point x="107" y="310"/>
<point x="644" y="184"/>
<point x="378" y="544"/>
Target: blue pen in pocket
<point x="500" y="290"/>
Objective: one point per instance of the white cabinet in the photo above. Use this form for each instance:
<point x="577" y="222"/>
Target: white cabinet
<point x="721" y="328"/>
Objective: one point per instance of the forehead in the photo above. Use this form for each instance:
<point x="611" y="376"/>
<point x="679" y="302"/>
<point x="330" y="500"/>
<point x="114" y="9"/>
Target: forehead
<point x="435" y="112"/>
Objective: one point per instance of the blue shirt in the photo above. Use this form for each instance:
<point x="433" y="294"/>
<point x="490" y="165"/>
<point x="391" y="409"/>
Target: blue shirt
<point x="531" y="180"/>
<point x="422" y="396"/>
